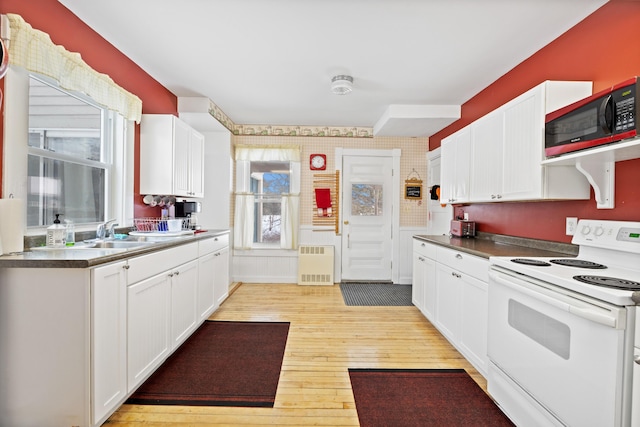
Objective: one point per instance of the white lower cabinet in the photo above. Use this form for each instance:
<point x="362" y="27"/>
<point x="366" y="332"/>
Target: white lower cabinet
<point x="109" y="338"/>
<point x="213" y="271"/>
<point x="424" y="278"/>
<point x="452" y="292"/>
<point x="221" y="275"/>
<point x="105" y="330"/>
<point x="473" y="324"/>
<point x="448" y="298"/>
<point x="184" y="288"/>
<point x="149" y="328"/>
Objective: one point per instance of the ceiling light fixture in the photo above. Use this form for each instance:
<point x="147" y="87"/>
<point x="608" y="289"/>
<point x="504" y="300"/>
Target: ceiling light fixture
<point x="341" y="84"/>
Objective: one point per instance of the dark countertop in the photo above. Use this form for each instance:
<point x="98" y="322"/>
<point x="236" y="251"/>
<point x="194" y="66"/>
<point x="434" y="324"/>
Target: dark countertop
<point x="486" y="245"/>
<point x="84" y="258"/>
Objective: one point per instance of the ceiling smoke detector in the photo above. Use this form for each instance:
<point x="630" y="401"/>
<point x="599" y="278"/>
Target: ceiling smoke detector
<point x="341" y="85"/>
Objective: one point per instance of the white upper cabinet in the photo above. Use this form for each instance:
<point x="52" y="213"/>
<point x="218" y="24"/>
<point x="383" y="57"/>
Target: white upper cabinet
<point x="454" y="169"/>
<point x="507" y="150"/>
<point x="171" y="157"/>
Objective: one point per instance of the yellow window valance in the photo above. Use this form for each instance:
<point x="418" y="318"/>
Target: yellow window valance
<point x="34" y="51"/>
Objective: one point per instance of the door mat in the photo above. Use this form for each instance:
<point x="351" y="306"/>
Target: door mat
<point x="221" y="364"/>
<point x="422" y="397"/>
<point x="375" y="294"/>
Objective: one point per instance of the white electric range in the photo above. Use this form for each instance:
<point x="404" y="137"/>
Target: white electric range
<point x="562" y="331"/>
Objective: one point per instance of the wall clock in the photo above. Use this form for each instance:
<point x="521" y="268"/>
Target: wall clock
<point x="318" y="162"/>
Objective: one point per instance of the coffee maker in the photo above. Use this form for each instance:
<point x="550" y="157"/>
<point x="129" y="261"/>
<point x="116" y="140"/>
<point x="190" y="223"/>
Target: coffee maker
<point x="189" y="210"/>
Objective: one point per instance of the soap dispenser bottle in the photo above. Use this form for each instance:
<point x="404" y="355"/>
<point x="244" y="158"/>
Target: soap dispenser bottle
<point x="56" y="234"/>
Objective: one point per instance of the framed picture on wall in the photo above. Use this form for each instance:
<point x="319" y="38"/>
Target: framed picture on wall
<point x="413" y="189"/>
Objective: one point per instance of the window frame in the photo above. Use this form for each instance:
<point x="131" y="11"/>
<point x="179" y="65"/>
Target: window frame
<point x="243" y="186"/>
<point x="118" y="183"/>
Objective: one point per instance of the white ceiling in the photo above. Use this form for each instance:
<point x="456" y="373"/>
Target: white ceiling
<point x="270" y="62"/>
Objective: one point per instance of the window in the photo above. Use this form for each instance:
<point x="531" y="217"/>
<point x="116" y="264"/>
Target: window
<point x="269" y="180"/>
<point x="74" y="150"/>
<point x="267" y="197"/>
<point x="69" y="157"/>
<point x="366" y="199"/>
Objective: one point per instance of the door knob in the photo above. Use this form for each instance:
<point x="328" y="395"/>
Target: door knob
<point x="346" y="223"/>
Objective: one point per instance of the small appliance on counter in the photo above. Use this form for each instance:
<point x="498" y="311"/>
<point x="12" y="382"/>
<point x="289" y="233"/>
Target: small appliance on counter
<point x="189" y="210"/>
<point x="463" y="228"/>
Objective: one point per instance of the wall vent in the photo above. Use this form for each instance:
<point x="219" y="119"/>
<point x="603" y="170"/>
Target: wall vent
<point x="315" y="265"/>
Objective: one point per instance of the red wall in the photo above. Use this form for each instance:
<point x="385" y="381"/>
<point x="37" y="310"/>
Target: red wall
<point x="603" y="48"/>
<point x="67" y="30"/>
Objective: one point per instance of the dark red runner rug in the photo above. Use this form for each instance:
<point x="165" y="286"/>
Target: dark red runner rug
<point x="422" y="397"/>
<point x="221" y="364"/>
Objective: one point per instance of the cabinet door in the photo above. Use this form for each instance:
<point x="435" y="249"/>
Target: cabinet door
<point x="473" y="333"/>
<point x="196" y="164"/>
<point x="448" y="293"/>
<point x="184" y="289"/>
<point x="206" y="271"/>
<point x="148" y="340"/>
<point x="181" y="159"/>
<point x="455" y="163"/>
<point x="417" y="287"/>
<point x="523" y="146"/>
<point x="221" y="281"/>
<point x="487" y="137"/>
<point x="429" y="293"/>
<point x="109" y="338"/>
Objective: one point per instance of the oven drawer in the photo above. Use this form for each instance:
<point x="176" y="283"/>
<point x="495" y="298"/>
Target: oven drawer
<point x="464" y="263"/>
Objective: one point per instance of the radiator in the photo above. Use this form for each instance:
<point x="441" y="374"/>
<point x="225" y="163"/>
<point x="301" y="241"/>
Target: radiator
<point x="315" y="265"/>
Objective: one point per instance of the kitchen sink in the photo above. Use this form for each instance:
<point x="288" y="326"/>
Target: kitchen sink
<point x="116" y="244"/>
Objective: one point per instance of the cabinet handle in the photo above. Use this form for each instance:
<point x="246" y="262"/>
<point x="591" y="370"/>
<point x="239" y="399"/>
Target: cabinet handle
<point x="458" y="256"/>
<point x="423" y="245"/>
<point x="454" y="274"/>
<point x="170" y="275"/>
<point x="177" y="273"/>
<point x="637" y="360"/>
<point x="420" y="258"/>
<point x="499" y="196"/>
<point x="126" y="266"/>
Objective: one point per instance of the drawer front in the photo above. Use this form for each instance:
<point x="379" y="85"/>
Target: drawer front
<point x="465" y="263"/>
<point x="424" y="248"/>
<point x="151" y="264"/>
<point x="213" y="244"/>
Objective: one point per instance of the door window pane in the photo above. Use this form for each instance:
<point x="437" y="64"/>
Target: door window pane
<point x="366" y="199"/>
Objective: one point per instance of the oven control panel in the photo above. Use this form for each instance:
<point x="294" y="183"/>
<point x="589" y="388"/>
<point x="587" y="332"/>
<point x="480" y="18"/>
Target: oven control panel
<point x="622" y="235"/>
<point x="629" y="234"/>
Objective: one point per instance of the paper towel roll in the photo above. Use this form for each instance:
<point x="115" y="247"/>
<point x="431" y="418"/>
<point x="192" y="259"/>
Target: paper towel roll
<point x="11" y="225"/>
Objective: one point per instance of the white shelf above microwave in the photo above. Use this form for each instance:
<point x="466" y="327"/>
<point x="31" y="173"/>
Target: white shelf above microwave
<point x="598" y="165"/>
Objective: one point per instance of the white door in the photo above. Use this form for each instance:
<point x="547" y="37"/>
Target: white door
<point x="367" y="212"/>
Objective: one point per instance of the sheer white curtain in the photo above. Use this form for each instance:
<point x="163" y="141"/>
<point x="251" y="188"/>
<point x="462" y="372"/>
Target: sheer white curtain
<point x="289" y="223"/>
<point x="244" y="220"/>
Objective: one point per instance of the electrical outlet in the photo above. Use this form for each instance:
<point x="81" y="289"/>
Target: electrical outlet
<point x="572" y="224"/>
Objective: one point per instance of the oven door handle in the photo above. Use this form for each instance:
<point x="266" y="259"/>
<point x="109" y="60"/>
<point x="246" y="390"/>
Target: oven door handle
<point x="595" y="313"/>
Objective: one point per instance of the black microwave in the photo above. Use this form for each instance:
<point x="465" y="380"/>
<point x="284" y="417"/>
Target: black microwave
<point x="605" y="117"/>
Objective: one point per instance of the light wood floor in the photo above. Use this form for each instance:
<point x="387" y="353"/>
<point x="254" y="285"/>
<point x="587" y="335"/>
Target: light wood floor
<point x="325" y="339"/>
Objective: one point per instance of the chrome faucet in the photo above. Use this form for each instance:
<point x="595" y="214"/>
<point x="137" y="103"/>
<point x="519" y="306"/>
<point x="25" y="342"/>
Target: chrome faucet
<point x="112" y="230"/>
<point x="101" y="231"/>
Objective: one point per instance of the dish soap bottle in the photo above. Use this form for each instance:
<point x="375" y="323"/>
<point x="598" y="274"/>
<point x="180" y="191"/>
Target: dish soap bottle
<point x="56" y="234"/>
<point x="70" y="235"/>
